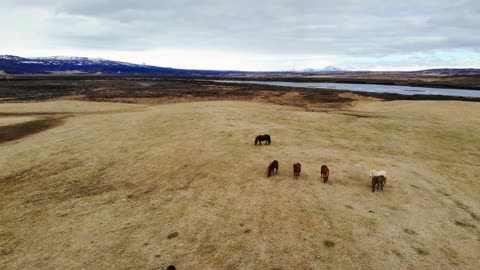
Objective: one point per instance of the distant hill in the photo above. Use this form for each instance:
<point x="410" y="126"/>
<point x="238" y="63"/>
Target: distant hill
<point x="449" y="71"/>
<point x="11" y="64"/>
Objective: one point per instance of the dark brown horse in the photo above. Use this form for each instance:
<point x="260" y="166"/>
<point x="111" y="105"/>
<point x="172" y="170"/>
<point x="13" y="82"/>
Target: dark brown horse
<point x="272" y="169"/>
<point x="325" y="172"/>
<point x="297" y="168"/>
<point x="378" y="182"/>
<point x="262" y="138"/>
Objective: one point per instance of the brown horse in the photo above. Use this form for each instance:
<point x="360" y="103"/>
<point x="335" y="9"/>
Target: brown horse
<point x="325" y="172"/>
<point x="378" y="182"/>
<point x="297" y="168"/>
<point x="263" y="138"/>
<point x="272" y="169"/>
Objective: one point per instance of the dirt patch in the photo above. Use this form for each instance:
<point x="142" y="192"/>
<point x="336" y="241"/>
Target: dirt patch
<point x="464" y="224"/>
<point x="172" y="235"/>
<point x="18" y="131"/>
<point x="409" y="231"/>
<point x="421" y="251"/>
<point x="329" y="244"/>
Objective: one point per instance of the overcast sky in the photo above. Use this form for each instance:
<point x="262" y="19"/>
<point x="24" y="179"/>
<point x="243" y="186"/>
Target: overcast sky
<point x="251" y="34"/>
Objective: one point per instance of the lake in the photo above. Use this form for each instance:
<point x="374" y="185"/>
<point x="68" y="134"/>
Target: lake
<point x="395" y="89"/>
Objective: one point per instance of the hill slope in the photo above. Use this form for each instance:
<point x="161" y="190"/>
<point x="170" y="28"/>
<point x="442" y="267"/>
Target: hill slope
<point x="60" y="64"/>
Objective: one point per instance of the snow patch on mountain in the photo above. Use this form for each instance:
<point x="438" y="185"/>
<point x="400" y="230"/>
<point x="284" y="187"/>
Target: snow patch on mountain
<point x="312" y="70"/>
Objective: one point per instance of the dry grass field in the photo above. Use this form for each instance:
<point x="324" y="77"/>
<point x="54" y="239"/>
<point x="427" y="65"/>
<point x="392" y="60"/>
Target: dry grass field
<point x="126" y="186"/>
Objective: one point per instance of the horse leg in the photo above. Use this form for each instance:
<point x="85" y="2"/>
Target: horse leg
<point x="373" y="185"/>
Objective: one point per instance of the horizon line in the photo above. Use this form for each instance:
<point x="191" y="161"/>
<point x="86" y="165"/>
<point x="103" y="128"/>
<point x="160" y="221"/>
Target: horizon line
<point x="293" y="70"/>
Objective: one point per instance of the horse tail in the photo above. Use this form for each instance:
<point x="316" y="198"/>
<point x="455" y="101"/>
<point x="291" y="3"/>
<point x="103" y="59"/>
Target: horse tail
<point x="256" y="140"/>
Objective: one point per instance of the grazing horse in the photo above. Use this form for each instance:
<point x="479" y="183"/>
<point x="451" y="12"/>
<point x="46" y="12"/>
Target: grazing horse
<point x="325" y="172"/>
<point x="272" y="169"/>
<point x="297" y="168"/>
<point x="378" y="182"/>
<point x="262" y="138"/>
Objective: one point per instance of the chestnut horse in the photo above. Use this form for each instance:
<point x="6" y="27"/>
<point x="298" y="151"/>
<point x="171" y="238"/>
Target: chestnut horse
<point x="272" y="169"/>
<point x="297" y="168"/>
<point x="325" y="172"/>
<point x="378" y="182"/>
<point x="262" y="138"/>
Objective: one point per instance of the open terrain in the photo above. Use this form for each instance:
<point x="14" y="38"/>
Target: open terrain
<point x="104" y="185"/>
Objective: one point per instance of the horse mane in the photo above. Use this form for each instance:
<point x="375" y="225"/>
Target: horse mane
<point x="377" y="173"/>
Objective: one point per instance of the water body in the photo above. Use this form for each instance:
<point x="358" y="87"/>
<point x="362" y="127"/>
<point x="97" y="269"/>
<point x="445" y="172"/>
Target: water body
<point x="378" y="88"/>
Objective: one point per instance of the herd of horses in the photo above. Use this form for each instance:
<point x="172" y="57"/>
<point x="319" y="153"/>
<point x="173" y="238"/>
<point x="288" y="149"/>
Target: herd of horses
<point x="379" y="178"/>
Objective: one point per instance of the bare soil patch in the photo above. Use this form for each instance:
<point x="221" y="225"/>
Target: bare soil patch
<point x="17" y="131"/>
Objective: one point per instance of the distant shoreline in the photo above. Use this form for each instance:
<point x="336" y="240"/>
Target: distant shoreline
<point x="171" y="89"/>
<point x="466" y="82"/>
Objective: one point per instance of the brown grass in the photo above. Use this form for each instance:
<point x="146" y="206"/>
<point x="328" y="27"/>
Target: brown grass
<point x="143" y="187"/>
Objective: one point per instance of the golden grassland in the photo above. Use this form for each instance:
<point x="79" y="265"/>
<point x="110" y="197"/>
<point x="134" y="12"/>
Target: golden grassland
<point x="125" y="186"/>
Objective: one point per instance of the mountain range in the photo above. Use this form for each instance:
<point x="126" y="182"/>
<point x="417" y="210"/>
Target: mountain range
<point x="325" y="69"/>
<point x="11" y="64"/>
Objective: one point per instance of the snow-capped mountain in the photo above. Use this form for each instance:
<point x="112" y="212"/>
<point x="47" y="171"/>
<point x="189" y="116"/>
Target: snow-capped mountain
<point x="332" y="69"/>
<point x="325" y="69"/>
<point x="11" y="64"/>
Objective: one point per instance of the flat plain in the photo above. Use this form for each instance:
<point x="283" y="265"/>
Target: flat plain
<point x="102" y="185"/>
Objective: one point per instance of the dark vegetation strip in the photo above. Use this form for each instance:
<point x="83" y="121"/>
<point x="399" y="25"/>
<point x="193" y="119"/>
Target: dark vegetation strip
<point x="17" y="131"/>
<point x="109" y="88"/>
<point x="461" y="81"/>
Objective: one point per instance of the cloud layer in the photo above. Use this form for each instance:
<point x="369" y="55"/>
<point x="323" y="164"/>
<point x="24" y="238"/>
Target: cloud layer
<point x="327" y="31"/>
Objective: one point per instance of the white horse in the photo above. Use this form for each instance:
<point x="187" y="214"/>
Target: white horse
<point x="378" y="173"/>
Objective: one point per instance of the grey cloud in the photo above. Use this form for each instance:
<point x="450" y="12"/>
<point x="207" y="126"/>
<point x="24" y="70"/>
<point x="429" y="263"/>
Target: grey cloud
<point x="342" y="27"/>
